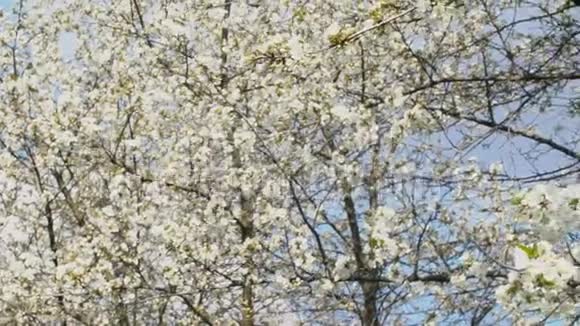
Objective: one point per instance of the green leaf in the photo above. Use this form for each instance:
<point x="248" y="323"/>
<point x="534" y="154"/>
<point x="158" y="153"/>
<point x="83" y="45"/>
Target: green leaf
<point x="375" y="243"/>
<point x="376" y="15"/>
<point x="573" y="204"/>
<point x="517" y="200"/>
<point x="340" y="38"/>
<point x="532" y="252"/>
<point x="514" y="288"/>
<point x="541" y="281"/>
<point x="300" y="13"/>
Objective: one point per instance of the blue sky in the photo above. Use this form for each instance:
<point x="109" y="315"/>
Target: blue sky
<point x="499" y="149"/>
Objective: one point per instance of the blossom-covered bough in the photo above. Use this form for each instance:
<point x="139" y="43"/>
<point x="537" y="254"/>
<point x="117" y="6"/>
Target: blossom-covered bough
<point x="268" y="162"/>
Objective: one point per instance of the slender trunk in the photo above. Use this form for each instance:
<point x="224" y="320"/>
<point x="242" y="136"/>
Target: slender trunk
<point x="247" y="232"/>
<point x="370" y="316"/>
<point x="246" y="203"/>
<point x="49" y="229"/>
<point x="53" y="249"/>
<point x="368" y="285"/>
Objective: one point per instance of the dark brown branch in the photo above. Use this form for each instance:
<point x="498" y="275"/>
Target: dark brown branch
<point x="497" y="78"/>
<point x="510" y="130"/>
